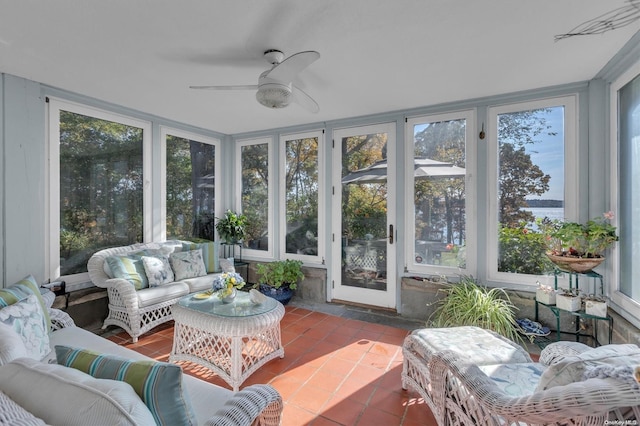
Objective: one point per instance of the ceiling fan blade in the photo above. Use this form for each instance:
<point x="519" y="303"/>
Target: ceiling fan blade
<point x="304" y="100"/>
<point x="245" y="87"/>
<point x="288" y="69"/>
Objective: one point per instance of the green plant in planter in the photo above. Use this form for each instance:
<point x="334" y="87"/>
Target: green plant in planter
<point x="588" y="240"/>
<point x="232" y="227"/>
<point x="279" y="273"/>
<point x="468" y="303"/>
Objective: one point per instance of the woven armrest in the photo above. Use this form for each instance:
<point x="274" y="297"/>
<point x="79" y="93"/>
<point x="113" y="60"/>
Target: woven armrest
<point x="253" y="402"/>
<point x="557" y="351"/>
<point x="60" y="319"/>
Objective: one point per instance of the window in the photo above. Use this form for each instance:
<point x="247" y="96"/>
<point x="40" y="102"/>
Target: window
<point x="531" y="150"/>
<point x="625" y="136"/>
<point x="437" y="170"/>
<point x="300" y="213"/>
<point x="255" y="188"/>
<point x="189" y="182"/>
<point x="98" y="173"/>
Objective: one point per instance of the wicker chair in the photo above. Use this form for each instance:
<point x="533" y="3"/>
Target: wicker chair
<point x="466" y="395"/>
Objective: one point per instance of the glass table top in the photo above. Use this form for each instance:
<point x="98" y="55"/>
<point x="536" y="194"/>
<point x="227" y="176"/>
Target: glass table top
<point x="240" y="307"/>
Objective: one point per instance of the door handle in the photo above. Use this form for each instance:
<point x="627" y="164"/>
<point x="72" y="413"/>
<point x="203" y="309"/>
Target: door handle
<point x="390" y="234"/>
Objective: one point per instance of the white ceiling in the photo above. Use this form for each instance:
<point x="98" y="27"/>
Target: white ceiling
<point x="376" y="55"/>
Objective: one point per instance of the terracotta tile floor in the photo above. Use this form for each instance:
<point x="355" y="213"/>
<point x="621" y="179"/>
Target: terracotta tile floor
<point x="336" y="371"/>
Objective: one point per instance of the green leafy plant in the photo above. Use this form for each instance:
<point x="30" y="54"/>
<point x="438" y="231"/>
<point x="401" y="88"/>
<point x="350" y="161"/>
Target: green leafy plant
<point x="586" y="240"/>
<point x="279" y="273"/>
<point x="232" y="227"/>
<point x="468" y="303"/>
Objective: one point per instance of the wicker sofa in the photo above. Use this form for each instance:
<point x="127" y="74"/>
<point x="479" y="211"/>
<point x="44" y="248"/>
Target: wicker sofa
<point x="35" y="390"/>
<point x="572" y="385"/>
<point x="139" y="310"/>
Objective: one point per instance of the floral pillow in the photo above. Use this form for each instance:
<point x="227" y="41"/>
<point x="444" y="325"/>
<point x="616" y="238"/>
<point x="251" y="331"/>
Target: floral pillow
<point x="27" y="320"/>
<point x="158" y="270"/>
<point x="187" y="264"/>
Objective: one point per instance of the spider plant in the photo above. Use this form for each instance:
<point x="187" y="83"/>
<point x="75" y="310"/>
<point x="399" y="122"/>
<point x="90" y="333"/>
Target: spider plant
<point x="468" y="303"/>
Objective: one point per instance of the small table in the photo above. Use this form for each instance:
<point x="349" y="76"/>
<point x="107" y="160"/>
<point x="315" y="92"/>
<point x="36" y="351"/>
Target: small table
<point x="233" y="340"/>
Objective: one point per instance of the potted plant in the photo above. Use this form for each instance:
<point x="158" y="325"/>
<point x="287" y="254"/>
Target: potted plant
<point x="568" y="299"/>
<point x="278" y="279"/>
<point x="468" y="303"/>
<point x="546" y="294"/>
<point x="226" y="286"/>
<point x="232" y="227"/>
<point x="595" y="305"/>
<point x="577" y="247"/>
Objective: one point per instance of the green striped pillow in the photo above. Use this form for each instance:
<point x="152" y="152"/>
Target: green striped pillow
<point x="130" y="268"/>
<point x="209" y="254"/>
<point x="20" y="291"/>
<point x="158" y="384"/>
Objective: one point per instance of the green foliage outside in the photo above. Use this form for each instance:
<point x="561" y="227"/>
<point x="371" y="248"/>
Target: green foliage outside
<point x="522" y="251"/>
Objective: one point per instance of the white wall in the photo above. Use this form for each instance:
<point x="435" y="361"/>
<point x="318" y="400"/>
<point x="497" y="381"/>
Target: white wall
<point x="23" y="179"/>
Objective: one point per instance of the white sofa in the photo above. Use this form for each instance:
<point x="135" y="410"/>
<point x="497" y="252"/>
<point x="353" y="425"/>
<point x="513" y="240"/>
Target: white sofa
<point x="39" y="391"/>
<point x="138" y="311"/>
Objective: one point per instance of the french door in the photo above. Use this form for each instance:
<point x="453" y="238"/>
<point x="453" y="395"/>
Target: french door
<point x="363" y="211"/>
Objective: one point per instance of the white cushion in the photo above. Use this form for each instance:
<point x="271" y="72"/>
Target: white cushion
<point x="11" y="345"/>
<point x="13" y="414"/>
<point x="65" y="396"/>
<point x="27" y="320"/>
<point x="200" y="283"/>
<point x="153" y="295"/>
<point x="572" y="368"/>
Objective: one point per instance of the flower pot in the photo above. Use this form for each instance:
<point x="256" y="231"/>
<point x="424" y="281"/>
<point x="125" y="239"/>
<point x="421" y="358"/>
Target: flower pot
<point x="596" y="308"/>
<point x="282" y="294"/>
<point x="548" y="298"/>
<point x="567" y="303"/>
<point x="575" y="264"/>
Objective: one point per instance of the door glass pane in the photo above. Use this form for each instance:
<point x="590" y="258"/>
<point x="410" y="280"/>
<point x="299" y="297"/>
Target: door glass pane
<point x="190" y="189"/>
<point x="629" y="133"/>
<point x="530" y="185"/>
<point x="100" y="188"/>
<point x="364" y="211"/>
<point x="439" y="193"/>
<point x="255" y="195"/>
<point x="301" y="183"/>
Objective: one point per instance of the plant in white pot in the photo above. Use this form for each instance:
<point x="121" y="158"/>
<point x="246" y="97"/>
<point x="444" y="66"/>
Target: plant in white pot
<point x="569" y="300"/>
<point x="595" y="305"/>
<point x="278" y="279"/>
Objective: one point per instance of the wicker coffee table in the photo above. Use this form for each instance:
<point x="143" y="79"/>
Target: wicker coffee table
<point x="233" y="340"/>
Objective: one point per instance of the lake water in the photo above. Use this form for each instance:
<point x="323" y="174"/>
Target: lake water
<point x="550" y="212"/>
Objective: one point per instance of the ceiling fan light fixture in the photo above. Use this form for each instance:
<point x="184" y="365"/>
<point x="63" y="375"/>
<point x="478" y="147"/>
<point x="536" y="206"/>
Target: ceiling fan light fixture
<point x="273" y="95"/>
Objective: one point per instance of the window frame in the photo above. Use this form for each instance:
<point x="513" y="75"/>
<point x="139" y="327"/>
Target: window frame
<point x="217" y="143"/>
<point x="471" y="192"/>
<point x="52" y="202"/>
<point x="630" y="307"/>
<point x="571" y="181"/>
<point x="240" y="143"/>
<point x="282" y="223"/>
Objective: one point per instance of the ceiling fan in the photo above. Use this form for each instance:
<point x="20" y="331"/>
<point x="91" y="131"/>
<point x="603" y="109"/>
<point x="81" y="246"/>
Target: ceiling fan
<point x="275" y="88"/>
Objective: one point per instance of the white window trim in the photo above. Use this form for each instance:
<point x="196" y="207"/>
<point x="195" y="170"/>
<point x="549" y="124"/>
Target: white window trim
<point x="319" y="258"/>
<point x="247" y="252"/>
<point x="169" y="131"/>
<point x="570" y="104"/>
<point x="631" y="307"/>
<point x="471" y="192"/>
<point x="53" y="172"/>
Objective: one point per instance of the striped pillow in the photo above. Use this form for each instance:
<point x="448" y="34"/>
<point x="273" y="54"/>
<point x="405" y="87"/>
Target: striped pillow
<point x="209" y="254"/>
<point x="20" y="291"/>
<point x="159" y="384"/>
<point x="129" y="267"/>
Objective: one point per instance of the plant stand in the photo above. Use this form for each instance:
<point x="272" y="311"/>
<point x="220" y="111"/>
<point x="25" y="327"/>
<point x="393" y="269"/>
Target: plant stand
<point x="557" y="312"/>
